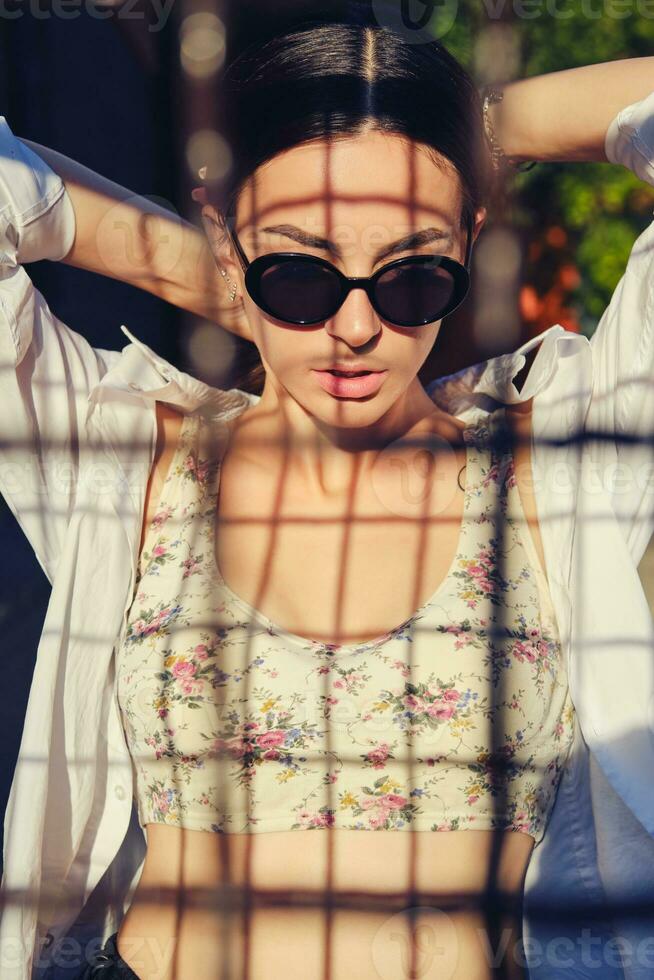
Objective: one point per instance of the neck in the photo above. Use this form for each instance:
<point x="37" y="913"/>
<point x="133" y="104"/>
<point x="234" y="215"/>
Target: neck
<point x="328" y="459"/>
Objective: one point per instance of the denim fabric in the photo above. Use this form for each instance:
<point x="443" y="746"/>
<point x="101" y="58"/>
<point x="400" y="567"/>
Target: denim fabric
<point x="568" y="932"/>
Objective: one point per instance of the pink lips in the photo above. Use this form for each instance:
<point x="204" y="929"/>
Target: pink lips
<point x="354" y="387"/>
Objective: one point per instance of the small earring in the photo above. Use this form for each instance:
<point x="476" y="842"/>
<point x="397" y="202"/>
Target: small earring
<point x="232" y="294"/>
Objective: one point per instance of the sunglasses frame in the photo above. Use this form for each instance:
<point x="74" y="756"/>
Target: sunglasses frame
<point x="254" y="269"/>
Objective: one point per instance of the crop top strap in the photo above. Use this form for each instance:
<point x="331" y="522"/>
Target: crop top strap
<point x="184" y="488"/>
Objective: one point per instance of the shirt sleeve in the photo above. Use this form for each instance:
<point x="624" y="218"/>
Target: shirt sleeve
<point x="46" y="369"/>
<point x="622" y="402"/>
<point x="37" y="220"/>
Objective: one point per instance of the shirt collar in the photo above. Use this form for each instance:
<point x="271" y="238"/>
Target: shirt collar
<point x="493" y="378"/>
<point x="139" y="370"/>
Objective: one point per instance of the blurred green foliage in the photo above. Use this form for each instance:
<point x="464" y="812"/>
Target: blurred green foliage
<point x="596" y="209"/>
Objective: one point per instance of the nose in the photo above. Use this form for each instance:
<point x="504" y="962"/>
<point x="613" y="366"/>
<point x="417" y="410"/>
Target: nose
<point x="356" y="322"/>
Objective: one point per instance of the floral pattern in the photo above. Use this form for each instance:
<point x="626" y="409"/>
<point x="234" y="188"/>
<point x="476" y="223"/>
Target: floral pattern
<point x="459" y="718"/>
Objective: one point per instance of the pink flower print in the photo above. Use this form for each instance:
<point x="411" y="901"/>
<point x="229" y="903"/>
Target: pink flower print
<point x="542" y="648"/>
<point x="141" y="628"/>
<point x="201" y="651"/>
<point x="472" y="799"/>
<point x="331" y="700"/>
<point x="377" y="821"/>
<point x="521" y="821"/>
<point x="323" y="820"/>
<point x="443" y="826"/>
<point x="238" y="747"/>
<point x="522" y="652"/>
<point x="201" y="471"/>
<point x="378" y="756"/>
<point x="161" y="516"/>
<point x="442" y="711"/>
<point x="189" y="464"/>
<point x="191" y="687"/>
<point x="183" y="669"/>
<point x="160" y="802"/>
<point x="414" y="702"/>
<point x="190" y="565"/>
<point x="339" y="684"/>
<point x="158" y="550"/>
<point x="394" y="801"/>
<point x="270" y="740"/>
<point x="451" y="695"/>
<point x="271" y="755"/>
<point x="510" y="474"/>
<point x="492" y="475"/>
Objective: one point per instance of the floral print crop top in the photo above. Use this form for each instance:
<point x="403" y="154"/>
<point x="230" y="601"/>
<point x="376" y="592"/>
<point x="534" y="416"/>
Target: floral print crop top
<point x="459" y="718"/>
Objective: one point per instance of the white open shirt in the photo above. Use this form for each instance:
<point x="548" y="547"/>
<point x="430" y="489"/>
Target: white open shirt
<point x="77" y="440"/>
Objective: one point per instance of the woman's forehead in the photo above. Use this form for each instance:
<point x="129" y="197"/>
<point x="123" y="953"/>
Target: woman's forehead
<point x="373" y="178"/>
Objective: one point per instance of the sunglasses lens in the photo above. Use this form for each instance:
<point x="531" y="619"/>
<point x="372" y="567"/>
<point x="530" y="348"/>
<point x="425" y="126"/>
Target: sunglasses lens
<point x="414" y="293"/>
<point x="299" y="291"/>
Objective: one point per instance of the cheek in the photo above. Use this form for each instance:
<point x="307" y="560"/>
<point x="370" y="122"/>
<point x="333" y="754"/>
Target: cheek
<point x="411" y="349"/>
<point x="281" y="349"/>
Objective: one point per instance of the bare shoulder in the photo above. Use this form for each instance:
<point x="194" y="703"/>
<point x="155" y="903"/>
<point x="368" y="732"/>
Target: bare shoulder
<point x="169" y="423"/>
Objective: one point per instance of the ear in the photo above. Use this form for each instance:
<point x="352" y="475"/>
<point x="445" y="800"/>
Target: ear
<point x="220" y="242"/>
<point x="480" y="219"/>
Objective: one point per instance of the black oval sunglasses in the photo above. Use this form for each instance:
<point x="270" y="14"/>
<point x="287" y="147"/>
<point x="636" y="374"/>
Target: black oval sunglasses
<point x="306" y="290"/>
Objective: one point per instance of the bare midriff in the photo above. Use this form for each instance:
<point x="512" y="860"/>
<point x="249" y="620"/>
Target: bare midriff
<point x="330" y="904"/>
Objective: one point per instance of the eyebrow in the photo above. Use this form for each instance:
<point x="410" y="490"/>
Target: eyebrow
<point x="414" y="240"/>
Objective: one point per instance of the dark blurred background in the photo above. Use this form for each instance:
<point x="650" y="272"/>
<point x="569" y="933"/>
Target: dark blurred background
<point x="107" y="85"/>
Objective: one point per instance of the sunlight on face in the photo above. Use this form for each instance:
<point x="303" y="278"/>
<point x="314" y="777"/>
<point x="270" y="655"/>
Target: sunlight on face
<point x="355" y="198"/>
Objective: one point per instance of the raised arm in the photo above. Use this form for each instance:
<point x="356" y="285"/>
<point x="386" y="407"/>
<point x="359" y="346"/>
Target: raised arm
<point x="585" y="114"/>
<point x="564" y="115"/>
<point x="127" y="237"/>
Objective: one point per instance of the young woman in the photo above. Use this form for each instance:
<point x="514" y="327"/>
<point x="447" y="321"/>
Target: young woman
<point x="342" y="605"/>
